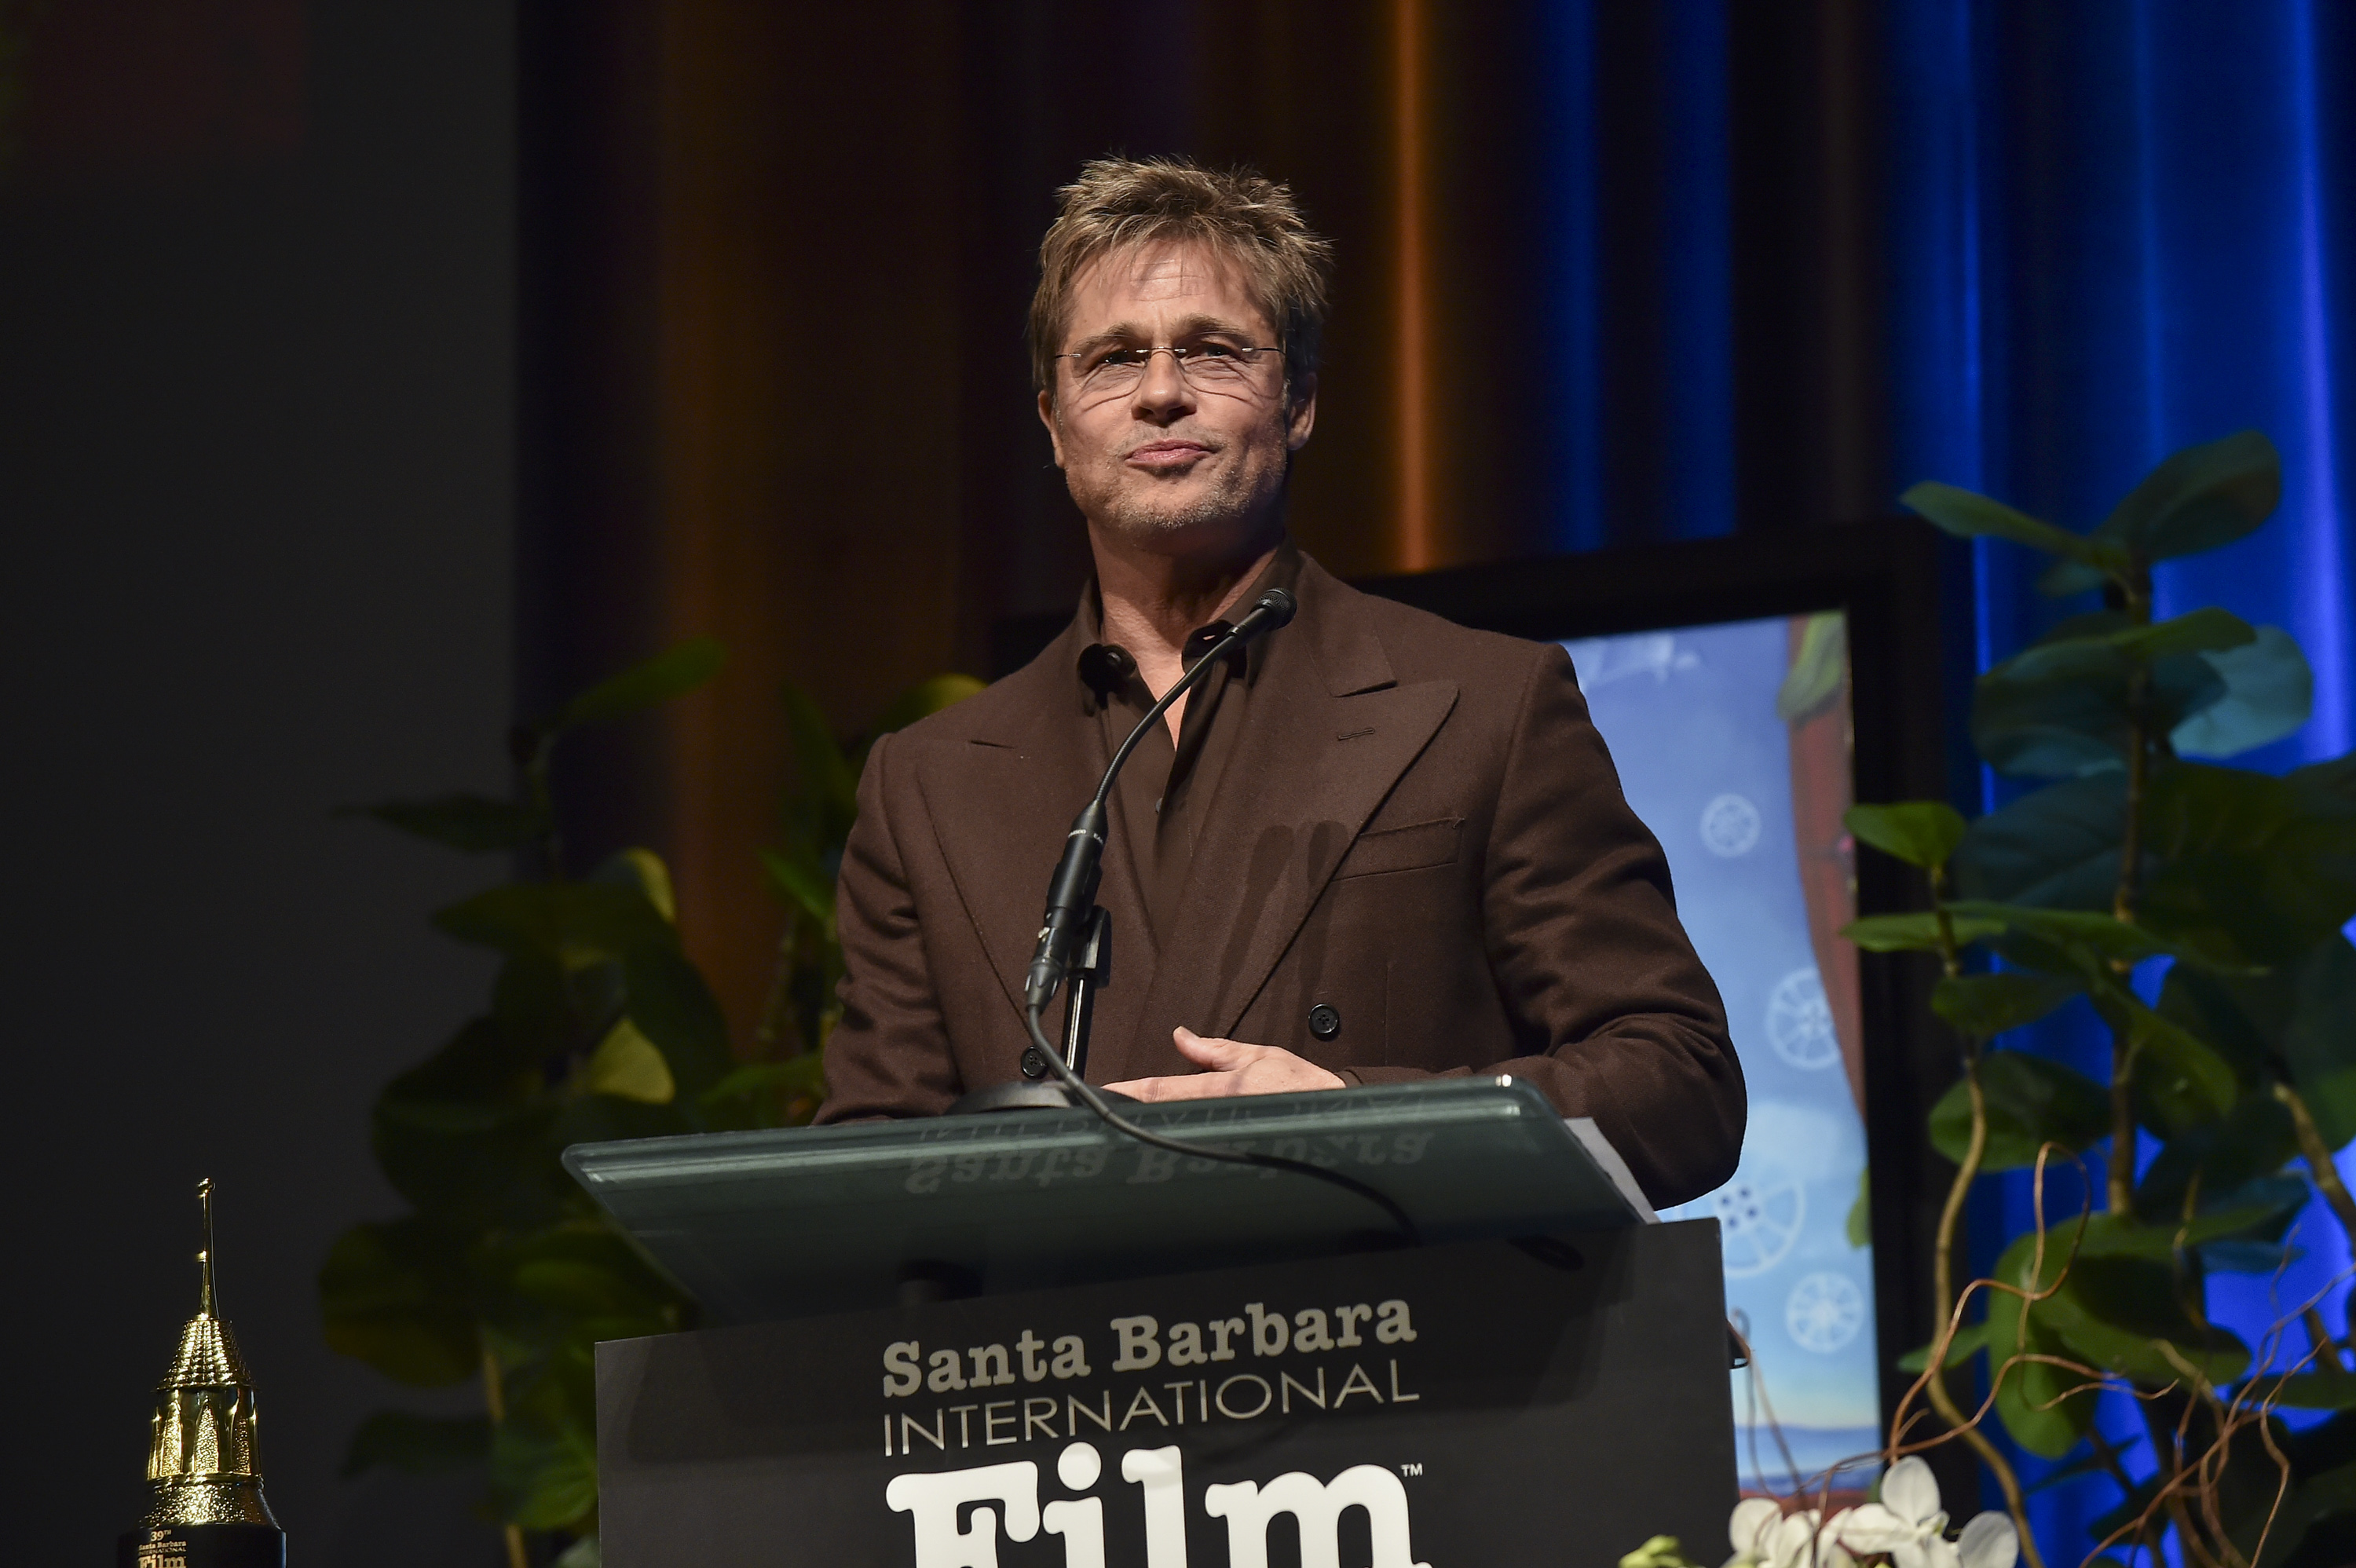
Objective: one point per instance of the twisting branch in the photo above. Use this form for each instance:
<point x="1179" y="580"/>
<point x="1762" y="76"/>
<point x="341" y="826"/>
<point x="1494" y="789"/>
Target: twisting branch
<point x="1943" y="1257"/>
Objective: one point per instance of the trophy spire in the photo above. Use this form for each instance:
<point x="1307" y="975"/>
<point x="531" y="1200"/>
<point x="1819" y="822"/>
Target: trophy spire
<point x="206" y="1300"/>
<point x="204" y="1454"/>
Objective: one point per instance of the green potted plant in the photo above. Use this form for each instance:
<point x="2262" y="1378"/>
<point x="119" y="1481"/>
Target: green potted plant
<point x="2135" y="857"/>
<point x="502" y="1274"/>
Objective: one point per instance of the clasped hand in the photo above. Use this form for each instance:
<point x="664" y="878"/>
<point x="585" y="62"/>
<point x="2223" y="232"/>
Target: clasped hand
<point x="1230" y="1067"/>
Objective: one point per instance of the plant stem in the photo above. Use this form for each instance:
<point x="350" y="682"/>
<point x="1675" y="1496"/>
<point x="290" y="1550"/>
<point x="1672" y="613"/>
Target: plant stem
<point x="2317" y="1155"/>
<point x="2122" y="1171"/>
<point x="1942" y="1285"/>
<point x="2120" y="1177"/>
<point x="494" y="1402"/>
<point x="1943" y="1257"/>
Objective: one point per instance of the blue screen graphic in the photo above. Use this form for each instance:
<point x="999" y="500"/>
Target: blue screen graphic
<point x="1732" y="745"/>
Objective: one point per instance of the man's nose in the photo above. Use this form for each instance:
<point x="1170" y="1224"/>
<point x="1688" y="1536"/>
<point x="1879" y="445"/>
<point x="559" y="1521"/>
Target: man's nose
<point x="1162" y="391"/>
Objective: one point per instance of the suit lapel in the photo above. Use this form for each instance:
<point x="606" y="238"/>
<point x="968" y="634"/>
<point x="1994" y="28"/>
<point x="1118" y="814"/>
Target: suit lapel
<point x="1330" y="732"/>
<point x="1001" y="805"/>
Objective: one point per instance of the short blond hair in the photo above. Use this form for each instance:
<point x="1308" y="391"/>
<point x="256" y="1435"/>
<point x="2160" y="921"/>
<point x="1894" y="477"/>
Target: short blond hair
<point x="1119" y="202"/>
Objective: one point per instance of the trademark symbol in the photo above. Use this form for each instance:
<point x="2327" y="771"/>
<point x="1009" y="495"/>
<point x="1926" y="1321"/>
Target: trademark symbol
<point x="1410" y="1469"/>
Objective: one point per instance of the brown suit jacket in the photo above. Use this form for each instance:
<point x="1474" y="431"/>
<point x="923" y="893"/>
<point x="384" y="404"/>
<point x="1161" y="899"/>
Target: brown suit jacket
<point x="1418" y="827"/>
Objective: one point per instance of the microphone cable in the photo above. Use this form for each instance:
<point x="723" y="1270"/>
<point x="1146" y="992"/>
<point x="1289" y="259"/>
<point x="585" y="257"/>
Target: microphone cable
<point x="1095" y="1102"/>
<point x="1072" y="894"/>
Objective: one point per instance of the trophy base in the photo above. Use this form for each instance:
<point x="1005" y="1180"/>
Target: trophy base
<point x="201" y="1546"/>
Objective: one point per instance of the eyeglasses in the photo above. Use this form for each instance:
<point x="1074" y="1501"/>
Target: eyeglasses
<point x="1228" y="368"/>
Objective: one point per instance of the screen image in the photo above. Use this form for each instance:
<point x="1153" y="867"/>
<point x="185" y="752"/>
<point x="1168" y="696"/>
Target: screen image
<point x="1732" y="743"/>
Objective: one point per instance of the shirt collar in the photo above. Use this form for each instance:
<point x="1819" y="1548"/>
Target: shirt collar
<point x="1105" y="669"/>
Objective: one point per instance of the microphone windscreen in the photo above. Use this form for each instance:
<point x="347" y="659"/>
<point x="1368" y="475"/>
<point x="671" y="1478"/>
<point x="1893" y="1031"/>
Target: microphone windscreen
<point x="1279" y="606"/>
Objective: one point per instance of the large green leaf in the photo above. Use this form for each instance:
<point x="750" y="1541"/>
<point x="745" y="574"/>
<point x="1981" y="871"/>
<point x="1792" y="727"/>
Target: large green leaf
<point x="488" y="1071"/>
<point x="801" y="883"/>
<point x="2180" y="1081"/>
<point x="2063" y="706"/>
<point x="2248" y="1146"/>
<point x="2326" y="788"/>
<point x="2099" y="937"/>
<point x="671" y="1003"/>
<point x="394" y="1296"/>
<point x="2097" y="647"/>
<point x="2198" y="498"/>
<point x="823" y="774"/>
<point x="1919" y="832"/>
<point x="763" y="1094"/>
<point x="1969" y="1341"/>
<point x="643" y="869"/>
<point x="544" y="1290"/>
<point x="2331" y="1388"/>
<point x="2256" y="869"/>
<point x="2299" y="1016"/>
<point x="1971" y="516"/>
<point x="2057" y="847"/>
<point x="458" y="1134"/>
<point x="2030" y="1394"/>
<point x="474" y="823"/>
<point x="417" y="1445"/>
<point x="1985" y="1005"/>
<point x="629" y="1065"/>
<point x="544" y="1479"/>
<point x="573" y="922"/>
<point x="531" y="999"/>
<point x="1916" y="932"/>
<point x="2157" y="1242"/>
<point x="2117" y="1311"/>
<point x="925" y="698"/>
<point x="2031" y="1101"/>
<point x="2269" y="692"/>
<point x="657" y="680"/>
<point x="1818" y="669"/>
<point x="2318" y="1037"/>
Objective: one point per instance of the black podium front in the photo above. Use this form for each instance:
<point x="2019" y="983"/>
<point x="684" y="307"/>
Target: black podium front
<point x="1548" y="1393"/>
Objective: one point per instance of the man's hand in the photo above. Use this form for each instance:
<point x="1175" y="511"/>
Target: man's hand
<point x="1230" y="1067"/>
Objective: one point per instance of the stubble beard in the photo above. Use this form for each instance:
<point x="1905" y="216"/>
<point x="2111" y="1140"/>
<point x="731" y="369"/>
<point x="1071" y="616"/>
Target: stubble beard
<point x="1139" y="516"/>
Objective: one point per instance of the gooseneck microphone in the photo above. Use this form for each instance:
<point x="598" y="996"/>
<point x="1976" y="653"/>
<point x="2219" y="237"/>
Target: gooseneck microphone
<point x="1071" y="900"/>
<point x="1071" y="892"/>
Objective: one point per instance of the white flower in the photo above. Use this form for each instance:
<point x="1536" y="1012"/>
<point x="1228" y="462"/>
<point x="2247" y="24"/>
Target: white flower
<point x="1909" y="1524"/>
<point x="1763" y="1536"/>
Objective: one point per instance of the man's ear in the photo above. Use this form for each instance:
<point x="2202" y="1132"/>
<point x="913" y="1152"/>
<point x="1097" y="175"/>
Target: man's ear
<point x="1300" y="418"/>
<point x="1047" y="418"/>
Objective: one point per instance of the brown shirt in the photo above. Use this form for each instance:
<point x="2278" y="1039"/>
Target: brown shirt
<point x="1168" y="786"/>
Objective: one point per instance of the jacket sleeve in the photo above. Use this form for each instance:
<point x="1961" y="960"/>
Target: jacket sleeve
<point x="1618" y="1018"/>
<point x="889" y="1054"/>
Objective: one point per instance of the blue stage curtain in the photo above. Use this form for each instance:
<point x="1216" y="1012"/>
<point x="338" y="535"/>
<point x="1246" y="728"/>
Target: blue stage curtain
<point x="2115" y="229"/>
<point x="2105" y="229"/>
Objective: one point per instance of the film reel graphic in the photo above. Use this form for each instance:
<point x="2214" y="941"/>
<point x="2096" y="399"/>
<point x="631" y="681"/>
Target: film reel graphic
<point x="1823" y="1312"/>
<point x="1758" y="1218"/>
<point x="1800" y="1021"/>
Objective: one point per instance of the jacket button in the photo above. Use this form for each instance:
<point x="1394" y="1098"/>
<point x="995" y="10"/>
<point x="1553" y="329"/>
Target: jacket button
<point x="1325" y="1022"/>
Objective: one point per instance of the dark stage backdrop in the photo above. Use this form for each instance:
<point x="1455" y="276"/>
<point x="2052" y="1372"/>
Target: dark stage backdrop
<point x="777" y="259"/>
<point x="1611" y="273"/>
<point x="256" y="468"/>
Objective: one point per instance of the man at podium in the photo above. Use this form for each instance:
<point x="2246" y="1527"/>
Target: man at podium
<point x="1372" y="848"/>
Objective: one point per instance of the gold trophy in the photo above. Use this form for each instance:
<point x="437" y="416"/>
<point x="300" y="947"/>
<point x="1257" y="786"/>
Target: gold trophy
<point x="204" y="1457"/>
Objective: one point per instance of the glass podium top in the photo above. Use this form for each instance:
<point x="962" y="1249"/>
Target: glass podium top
<point x="789" y="1221"/>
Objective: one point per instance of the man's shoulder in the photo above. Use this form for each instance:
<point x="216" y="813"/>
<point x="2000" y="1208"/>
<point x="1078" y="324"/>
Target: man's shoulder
<point x="1425" y="646"/>
<point x="1002" y="711"/>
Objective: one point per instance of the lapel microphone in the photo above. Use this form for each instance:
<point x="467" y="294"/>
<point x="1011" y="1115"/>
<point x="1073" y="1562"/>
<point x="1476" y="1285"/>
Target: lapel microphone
<point x="1071" y="892"/>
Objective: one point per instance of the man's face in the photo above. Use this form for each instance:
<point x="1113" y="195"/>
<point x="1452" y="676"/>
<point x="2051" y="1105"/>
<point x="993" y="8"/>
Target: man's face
<point x="1176" y="468"/>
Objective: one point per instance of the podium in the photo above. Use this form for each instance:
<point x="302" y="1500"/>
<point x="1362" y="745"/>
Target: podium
<point x="1025" y="1340"/>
